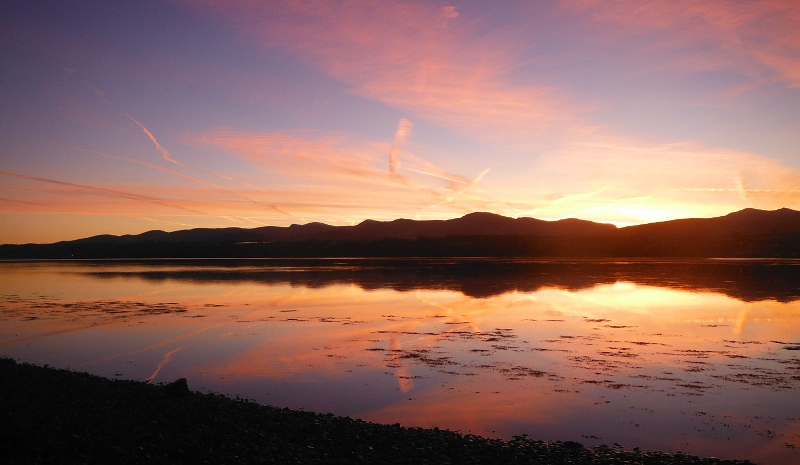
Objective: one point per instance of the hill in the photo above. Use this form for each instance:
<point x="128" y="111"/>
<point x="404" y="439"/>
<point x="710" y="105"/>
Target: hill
<point x="473" y="224"/>
<point x="742" y="234"/>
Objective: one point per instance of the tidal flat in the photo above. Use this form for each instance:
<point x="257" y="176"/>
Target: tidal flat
<point x="699" y="357"/>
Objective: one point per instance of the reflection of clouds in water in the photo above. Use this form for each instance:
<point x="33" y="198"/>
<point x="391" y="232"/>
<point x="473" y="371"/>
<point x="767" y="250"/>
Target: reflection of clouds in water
<point x="482" y="363"/>
<point x="742" y="320"/>
<point x="159" y="345"/>
<point x="462" y="347"/>
<point x="167" y="358"/>
<point x="405" y="380"/>
<point x="610" y="345"/>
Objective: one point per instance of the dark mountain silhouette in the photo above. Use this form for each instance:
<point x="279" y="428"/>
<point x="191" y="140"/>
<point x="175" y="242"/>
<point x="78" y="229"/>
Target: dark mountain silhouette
<point x="474" y="224"/>
<point x="746" y="233"/>
<point x="747" y="221"/>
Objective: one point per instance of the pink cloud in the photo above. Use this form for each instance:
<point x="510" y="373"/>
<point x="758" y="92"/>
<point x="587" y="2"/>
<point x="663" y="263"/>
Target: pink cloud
<point x="758" y="38"/>
<point x="349" y="173"/>
<point x="449" y="12"/>
<point x="629" y="181"/>
<point x="331" y="157"/>
<point x="428" y="61"/>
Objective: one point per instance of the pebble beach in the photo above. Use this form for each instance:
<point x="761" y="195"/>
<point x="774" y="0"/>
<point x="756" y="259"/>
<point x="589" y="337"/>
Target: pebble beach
<point x="61" y="416"/>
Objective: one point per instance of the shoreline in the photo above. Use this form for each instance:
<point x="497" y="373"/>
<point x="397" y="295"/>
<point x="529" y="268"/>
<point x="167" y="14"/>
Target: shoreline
<point x="54" y="415"/>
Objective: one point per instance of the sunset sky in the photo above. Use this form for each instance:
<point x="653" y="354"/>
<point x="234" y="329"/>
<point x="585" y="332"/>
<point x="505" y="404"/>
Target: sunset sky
<point x="121" y="117"/>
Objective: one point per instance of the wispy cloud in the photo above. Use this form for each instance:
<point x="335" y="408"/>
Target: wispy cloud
<point x="428" y="61"/>
<point x="442" y="66"/>
<point x="627" y="181"/>
<point x="348" y="169"/>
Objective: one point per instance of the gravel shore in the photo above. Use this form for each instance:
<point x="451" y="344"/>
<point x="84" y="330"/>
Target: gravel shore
<point x="61" y="416"/>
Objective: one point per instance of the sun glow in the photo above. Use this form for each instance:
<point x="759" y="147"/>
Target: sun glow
<point x="343" y="111"/>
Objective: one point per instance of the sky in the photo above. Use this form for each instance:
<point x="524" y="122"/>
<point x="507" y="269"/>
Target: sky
<point x="121" y="117"/>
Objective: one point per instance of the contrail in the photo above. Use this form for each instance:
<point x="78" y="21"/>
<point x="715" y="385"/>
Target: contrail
<point x="400" y="136"/>
<point x="164" y="152"/>
<point x="161" y="221"/>
<point x="271" y="206"/>
<point x="193" y="179"/>
<point x="457" y="193"/>
<point x="149" y="165"/>
<point x="112" y="192"/>
<point x="6" y="199"/>
<point x="474" y="181"/>
<point x="741" y="187"/>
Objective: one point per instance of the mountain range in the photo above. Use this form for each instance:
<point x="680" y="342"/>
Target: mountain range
<point x="473" y="224"/>
<point x="746" y="233"/>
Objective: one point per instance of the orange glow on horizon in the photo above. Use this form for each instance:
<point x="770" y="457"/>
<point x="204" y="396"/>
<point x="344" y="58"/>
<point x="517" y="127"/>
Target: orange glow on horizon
<point x="345" y="111"/>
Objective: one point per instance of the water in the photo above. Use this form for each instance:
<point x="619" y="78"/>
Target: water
<point x="701" y="357"/>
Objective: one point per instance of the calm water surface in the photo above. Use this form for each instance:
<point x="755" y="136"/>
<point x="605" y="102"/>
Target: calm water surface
<point x="701" y="357"/>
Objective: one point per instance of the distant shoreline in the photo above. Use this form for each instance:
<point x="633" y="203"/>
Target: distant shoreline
<point x="53" y="415"/>
<point x="411" y="259"/>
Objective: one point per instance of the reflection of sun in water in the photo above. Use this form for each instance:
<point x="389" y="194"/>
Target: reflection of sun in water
<point x="623" y="286"/>
<point x="636" y="298"/>
<point x="447" y="359"/>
